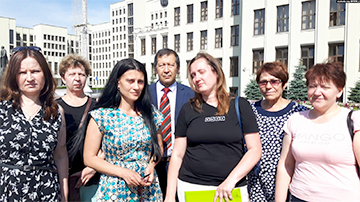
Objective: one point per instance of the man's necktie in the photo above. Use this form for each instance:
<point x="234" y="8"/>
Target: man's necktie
<point x="166" y="124"/>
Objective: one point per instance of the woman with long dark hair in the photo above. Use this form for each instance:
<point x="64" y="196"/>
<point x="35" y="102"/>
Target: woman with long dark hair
<point x="125" y="125"/>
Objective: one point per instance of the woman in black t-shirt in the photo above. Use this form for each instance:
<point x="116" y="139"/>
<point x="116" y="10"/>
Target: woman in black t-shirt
<point x="208" y="152"/>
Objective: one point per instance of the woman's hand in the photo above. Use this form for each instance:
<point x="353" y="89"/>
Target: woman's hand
<point x="149" y="170"/>
<point x="84" y="176"/>
<point x="224" y="191"/>
<point x="132" y="178"/>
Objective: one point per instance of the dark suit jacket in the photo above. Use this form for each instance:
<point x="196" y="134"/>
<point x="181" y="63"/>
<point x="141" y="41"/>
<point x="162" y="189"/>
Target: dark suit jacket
<point x="183" y="94"/>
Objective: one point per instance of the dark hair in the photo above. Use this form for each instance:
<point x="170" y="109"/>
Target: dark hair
<point x="325" y="72"/>
<point x="166" y="51"/>
<point x="111" y="98"/>
<point x="72" y="60"/>
<point x="10" y="90"/>
<point x="276" y="69"/>
<point x="221" y="94"/>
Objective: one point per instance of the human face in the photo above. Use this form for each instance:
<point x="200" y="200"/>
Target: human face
<point x="271" y="91"/>
<point x="30" y="78"/>
<point x="75" y="78"/>
<point x="131" y="84"/>
<point x="203" y="77"/>
<point x="323" y="95"/>
<point x="167" y="69"/>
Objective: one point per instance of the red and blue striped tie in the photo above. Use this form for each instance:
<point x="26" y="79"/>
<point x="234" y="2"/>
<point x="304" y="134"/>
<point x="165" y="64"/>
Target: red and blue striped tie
<point x="166" y="124"/>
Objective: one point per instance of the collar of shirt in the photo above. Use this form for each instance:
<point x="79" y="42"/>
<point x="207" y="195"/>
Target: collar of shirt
<point x="171" y="94"/>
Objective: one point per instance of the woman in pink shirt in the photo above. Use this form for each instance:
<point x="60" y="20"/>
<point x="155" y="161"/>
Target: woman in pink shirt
<point x="318" y="159"/>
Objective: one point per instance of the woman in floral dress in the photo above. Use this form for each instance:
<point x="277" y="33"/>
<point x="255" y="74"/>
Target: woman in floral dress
<point x="125" y="126"/>
<point x="33" y="157"/>
<point x="271" y="114"/>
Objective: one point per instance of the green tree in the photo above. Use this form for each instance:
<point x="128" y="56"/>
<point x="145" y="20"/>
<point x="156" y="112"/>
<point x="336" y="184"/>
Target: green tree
<point x="252" y="91"/>
<point x="355" y="93"/>
<point x="297" y="89"/>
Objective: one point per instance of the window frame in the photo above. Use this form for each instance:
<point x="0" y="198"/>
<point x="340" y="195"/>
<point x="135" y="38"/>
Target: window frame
<point x="190" y="41"/>
<point x="190" y="13"/>
<point x="260" y="22"/>
<point x="177" y="16"/>
<point x="336" y="14"/>
<point x="306" y="59"/>
<point x="282" y="21"/>
<point x="234" y="66"/>
<point x="203" y="11"/>
<point x="203" y="39"/>
<point x="234" y="38"/>
<point x="218" y="37"/>
<point x="257" y="61"/>
<point x="219" y="7"/>
<point x="305" y="17"/>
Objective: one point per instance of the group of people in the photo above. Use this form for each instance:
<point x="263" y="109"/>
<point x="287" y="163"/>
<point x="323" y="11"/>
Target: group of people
<point x="141" y="142"/>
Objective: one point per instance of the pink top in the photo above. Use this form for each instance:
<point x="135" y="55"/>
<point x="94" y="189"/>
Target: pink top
<point x="325" y="163"/>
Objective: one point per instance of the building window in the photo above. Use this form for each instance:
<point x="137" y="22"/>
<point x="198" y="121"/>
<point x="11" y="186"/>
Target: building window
<point x="204" y="11"/>
<point x="308" y="15"/>
<point x="190" y="13"/>
<point x="235" y="9"/>
<point x="203" y="39"/>
<point x="259" y="21"/>
<point x="18" y="38"/>
<point x="177" y="16"/>
<point x="190" y="41"/>
<point x="218" y="38"/>
<point x="165" y="41"/>
<point x="153" y="45"/>
<point x="235" y="35"/>
<point x="307" y="56"/>
<point x="258" y="59"/>
<point x="336" y="52"/>
<point x="282" y="55"/>
<point x="234" y="66"/>
<point x="130" y="10"/>
<point x="283" y="18"/>
<point x="56" y="68"/>
<point x="219" y="9"/>
<point x="177" y="42"/>
<point x="337" y="13"/>
<point x="143" y="47"/>
<point x="11" y="36"/>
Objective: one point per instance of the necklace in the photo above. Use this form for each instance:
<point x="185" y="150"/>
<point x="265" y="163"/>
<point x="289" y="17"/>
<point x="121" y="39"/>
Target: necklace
<point x="30" y="116"/>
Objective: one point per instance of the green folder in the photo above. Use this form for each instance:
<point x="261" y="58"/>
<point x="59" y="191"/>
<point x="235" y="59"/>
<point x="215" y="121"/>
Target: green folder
<point x="208" y="196"/>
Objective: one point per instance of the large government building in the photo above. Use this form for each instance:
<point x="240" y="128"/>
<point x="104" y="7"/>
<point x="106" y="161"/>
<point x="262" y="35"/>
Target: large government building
<point x="242" y="34"/>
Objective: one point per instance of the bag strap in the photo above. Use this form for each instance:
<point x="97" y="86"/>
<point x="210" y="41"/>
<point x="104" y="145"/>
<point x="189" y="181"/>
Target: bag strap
<point x="237" y="106"/>
<point x="85" y="112"/>
<point x="350" y="125"/>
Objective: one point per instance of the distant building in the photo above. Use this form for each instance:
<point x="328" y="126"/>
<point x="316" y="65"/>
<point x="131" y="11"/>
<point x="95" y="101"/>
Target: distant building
<point x="54" y="41"/>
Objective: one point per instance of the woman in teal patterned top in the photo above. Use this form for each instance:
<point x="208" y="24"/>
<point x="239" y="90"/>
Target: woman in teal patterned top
<point x="125" y="126"/>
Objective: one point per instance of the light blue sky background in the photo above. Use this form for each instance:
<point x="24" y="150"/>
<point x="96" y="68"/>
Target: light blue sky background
<point x="52" y="12"/>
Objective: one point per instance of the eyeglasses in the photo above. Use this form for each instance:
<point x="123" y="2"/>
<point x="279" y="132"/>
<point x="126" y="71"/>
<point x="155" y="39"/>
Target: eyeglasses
<point x="20" y="48"/>
<point x="274" y="83"/>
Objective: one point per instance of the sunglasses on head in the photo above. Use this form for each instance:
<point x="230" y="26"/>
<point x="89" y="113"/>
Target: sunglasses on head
<point x="20" y="48"/>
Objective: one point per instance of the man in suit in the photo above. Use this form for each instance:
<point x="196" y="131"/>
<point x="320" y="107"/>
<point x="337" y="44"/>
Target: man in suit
<point x="167" y="65"/>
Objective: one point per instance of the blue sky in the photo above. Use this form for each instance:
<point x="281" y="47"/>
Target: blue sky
<point x="52" y="12"/>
